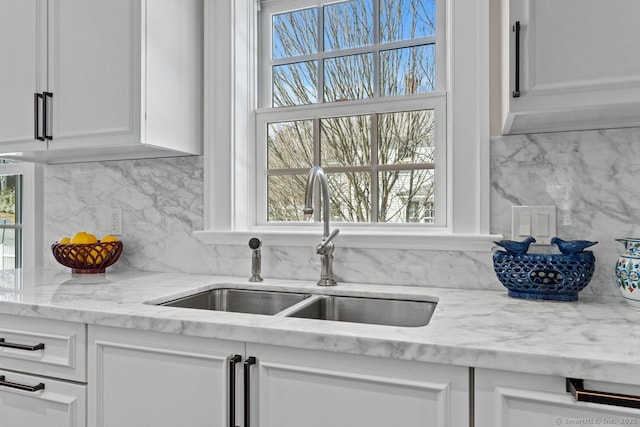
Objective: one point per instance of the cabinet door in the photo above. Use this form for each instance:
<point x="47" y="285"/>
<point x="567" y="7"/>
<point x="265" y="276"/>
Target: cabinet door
<point x="508" y="399"/>
<point x="293" y="388"/>
<point x="578" y="65"/>
<point x="94" y="72"/>
<point x="23" y="71"/>
<point x="139" y="378"/>
<point x="58" y="404"/>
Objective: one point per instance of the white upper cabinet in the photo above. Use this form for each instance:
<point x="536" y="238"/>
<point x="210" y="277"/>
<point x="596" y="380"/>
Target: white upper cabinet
<point x="576" y="65"/>
<point x="100" y="79"/>
<point x="23" y="54"/>
<point x="94" y="58"/>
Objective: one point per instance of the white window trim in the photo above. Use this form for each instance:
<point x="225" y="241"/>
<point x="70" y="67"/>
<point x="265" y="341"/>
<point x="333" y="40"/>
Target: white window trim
<point x="32" y="212"/>
<point x="230" y="97"/>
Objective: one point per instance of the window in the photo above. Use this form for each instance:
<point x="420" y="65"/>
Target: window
<point x="274" y="108"/>
<point x="364" y="81"/>
<point x="10" y="221"/>
<point x="19" y="211"/>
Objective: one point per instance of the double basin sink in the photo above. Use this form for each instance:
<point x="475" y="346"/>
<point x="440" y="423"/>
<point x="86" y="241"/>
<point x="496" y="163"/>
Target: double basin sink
<point x="341" y="308"/>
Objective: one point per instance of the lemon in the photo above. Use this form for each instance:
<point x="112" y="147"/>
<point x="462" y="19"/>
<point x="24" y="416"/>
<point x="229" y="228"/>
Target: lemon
<point x="95" y="256"/>
<point x="108" y="248"/>
<point x="79" y="237"/>
<point x="65" y="240"/>
<point x="83" y="237"/>
<point x="73" y="255"/>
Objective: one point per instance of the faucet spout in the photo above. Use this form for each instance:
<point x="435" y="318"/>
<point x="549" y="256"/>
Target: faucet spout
<point x="325" y="248"/>
<point x="317" y="173"/>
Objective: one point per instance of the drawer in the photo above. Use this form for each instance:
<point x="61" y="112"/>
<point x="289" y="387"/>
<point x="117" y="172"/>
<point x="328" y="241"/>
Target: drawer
<point x="510" y="399"/>
<point x="41" y="402"/>
<point x="45" y="347"/>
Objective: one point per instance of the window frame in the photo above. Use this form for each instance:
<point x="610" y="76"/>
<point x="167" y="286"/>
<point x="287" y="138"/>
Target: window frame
<point x="265" y="113"/>
<point x="231" y="95"/>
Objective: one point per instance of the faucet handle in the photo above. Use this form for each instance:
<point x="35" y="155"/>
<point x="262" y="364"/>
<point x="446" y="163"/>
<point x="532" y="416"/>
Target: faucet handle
<point x="256" y="260"/>
<point x="255" y="243"/>
<point x="322" y="246"/>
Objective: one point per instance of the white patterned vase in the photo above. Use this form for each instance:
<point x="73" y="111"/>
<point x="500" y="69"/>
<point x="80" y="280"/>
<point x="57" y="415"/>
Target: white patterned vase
<point x="628" y="272"/>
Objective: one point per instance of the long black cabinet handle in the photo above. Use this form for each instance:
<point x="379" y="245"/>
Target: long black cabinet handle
<point x="31" y="388"/>
<point x="39" y="346"/>
<point x="247" y="390"/>
<point x="233" y="360"/>
<point x="576" y="388"/>
<point x="516" y="29"/>
<point x="36" y="116"/>
<point x="45" y="115"/>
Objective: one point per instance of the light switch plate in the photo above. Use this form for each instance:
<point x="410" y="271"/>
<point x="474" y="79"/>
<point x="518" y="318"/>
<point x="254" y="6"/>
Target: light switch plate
<point x="536" y="221"/>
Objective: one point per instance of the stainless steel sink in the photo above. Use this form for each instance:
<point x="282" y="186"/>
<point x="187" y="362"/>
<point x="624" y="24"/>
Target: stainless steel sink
<point x="239" y="301"/>
<point x="377" y="311"/>
<point x="341" y="308"/>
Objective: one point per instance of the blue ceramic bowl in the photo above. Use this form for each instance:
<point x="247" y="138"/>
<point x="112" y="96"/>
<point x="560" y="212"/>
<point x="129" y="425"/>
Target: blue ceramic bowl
<point x="556" y="277"/>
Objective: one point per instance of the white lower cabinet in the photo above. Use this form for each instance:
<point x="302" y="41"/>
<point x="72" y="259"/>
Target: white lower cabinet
<point x="31" y="401"/>
<point x="294" y="388"/>
<point x="42" y="373"/>
<point x="509" y="399"/>
<point x="139" y="378"/>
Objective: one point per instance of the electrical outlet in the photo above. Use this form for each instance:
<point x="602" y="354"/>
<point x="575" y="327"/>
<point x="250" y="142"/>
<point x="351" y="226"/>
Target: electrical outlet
<point x="115" y="221"/>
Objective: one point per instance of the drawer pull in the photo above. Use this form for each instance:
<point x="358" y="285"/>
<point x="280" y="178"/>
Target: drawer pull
<point x="235" y="359"/>
<point x="576" y="388"/>
<point x="31" y="388"/>
<point x="39" y="346"/>
<point x="247" y="390"/>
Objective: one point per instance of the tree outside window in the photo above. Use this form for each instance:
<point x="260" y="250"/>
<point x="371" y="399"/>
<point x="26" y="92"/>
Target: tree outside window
<point x="380" y="161"/>
<point x="10" y="220"/>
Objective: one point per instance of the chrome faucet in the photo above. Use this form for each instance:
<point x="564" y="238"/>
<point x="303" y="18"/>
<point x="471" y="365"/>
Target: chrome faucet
<point x="326" y="247"/>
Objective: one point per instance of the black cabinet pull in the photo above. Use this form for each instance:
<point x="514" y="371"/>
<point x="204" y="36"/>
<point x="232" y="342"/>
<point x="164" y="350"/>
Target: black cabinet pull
<point x="247" y="390"/>
<point x="576" y="388"/>
<point x="233" y="360"/>
<point x="45" y="125"/>
<point x="31" y="388"/>
<point x="39" y="346"/>
<point x="36" y="116"/>
<point x="516" y="29"/>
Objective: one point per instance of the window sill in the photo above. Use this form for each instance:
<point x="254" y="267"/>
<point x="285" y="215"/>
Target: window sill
<point x="350" y="238"/>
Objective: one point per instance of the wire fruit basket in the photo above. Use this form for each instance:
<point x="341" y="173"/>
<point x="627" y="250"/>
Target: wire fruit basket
<point x="89" y="258"/>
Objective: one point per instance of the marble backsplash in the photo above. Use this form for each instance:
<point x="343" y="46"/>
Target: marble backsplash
<point x="588" y="175"/>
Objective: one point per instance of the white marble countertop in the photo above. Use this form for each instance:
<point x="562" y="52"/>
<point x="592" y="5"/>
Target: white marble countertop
<point x="594" y="338"/>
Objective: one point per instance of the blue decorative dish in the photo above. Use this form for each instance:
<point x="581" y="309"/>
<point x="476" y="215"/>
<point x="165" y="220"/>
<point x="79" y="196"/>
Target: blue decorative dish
<point x="557" y="277"/>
